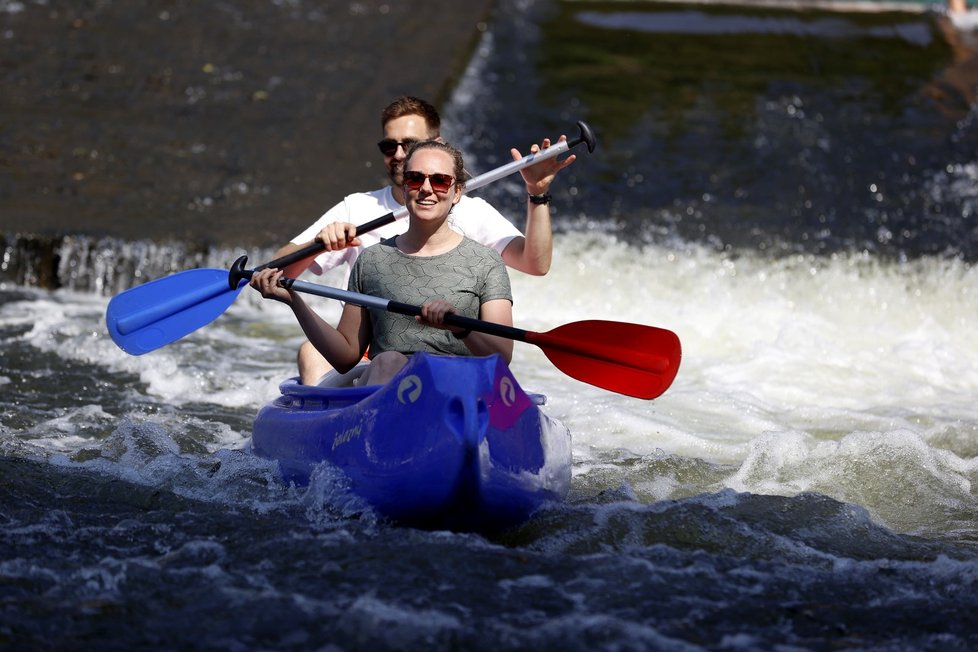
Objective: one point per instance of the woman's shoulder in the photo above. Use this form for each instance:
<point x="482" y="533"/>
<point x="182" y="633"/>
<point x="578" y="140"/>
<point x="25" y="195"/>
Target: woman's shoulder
<point x="379" y="251"/>
<point x="382" y="246"/>
<point x="473" y="249"/>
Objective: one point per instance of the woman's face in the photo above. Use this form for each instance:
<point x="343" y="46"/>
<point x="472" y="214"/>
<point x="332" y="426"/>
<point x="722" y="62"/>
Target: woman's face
<point x="430" y="187"/>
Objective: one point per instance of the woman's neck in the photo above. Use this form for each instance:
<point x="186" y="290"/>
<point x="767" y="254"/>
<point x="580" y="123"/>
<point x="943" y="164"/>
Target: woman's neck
<point x="421" y="241"/>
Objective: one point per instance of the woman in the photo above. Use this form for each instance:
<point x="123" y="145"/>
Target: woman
<point x="430" y="264"/>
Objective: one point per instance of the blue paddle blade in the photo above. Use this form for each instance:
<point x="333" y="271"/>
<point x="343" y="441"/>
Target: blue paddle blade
<point x="148" y="316"/>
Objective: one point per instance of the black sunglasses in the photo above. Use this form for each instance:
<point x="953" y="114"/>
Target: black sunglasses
<point x="439" y="182"/>
<point x="388" y="146"/>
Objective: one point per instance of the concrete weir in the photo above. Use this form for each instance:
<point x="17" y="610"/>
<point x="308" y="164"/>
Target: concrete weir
<point x="207" y="123"/>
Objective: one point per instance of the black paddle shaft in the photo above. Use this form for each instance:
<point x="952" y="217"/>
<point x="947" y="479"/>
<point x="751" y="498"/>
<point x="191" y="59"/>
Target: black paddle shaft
<point x="468" y="323"/>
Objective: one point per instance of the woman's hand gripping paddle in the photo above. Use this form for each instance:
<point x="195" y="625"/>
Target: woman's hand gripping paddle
<point x="152" y="315"/>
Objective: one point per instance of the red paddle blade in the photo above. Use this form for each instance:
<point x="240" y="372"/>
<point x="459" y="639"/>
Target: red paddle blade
<point x="630" y="359"/>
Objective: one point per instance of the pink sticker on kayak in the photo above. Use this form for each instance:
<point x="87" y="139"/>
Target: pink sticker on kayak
<point x="509" y="401"/>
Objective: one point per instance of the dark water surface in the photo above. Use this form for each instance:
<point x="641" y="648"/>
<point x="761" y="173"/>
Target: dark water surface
<point x="795" y="194"/>
<point x="757" y="129"/>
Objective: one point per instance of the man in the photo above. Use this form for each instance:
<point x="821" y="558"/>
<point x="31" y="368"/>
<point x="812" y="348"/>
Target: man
<point x="406" y="121"/>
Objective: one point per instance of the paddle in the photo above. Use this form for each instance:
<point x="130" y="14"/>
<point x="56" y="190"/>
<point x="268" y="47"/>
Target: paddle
<point x="148" y="316"/>
<point x="630" y="359"/>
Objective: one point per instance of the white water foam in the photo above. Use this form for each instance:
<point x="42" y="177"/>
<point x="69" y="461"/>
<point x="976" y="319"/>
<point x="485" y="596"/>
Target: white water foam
<point x="843" y="375"/>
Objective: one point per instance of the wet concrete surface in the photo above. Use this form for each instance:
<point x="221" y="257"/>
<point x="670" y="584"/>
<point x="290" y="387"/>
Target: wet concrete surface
<point x="235" y="122"/>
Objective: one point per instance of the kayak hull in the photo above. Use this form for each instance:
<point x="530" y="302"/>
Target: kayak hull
<point x="450" y="442"/>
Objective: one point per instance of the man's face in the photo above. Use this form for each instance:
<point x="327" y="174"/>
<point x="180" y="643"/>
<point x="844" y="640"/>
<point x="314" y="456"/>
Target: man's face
<point x="405" y="130"/>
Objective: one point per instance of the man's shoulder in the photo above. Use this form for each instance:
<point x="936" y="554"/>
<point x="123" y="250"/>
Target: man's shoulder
<point x="360" y="207"/>
<point x="380" y="196"/>
<point x="475" y="207"/>
<point x="477" y="219"/>
<point x="478" y="211"/>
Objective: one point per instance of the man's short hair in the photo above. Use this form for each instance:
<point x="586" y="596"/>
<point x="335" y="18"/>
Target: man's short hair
<point x="408" y="105"/>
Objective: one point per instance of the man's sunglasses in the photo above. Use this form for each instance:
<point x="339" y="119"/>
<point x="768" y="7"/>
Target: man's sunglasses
<point x="439" y="182"/>
<point x="388" y="146"/>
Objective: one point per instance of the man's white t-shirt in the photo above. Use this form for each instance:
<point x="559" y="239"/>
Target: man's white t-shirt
<point x="472" y="217"/>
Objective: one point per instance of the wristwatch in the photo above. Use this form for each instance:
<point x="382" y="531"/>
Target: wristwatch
<point x="540" y="199"/>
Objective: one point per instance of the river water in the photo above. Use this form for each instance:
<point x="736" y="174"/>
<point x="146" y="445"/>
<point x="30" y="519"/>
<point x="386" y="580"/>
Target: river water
<point x="802" y="217"/>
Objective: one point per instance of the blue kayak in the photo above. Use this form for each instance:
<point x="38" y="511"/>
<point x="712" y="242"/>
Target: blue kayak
<point x="450" y="442"/>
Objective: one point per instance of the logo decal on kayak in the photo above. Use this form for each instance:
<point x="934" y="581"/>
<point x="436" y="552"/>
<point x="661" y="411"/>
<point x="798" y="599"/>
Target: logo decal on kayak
<point x="507" y="391"/>
<point x="347" y="436"/>
<point x="409" y="390"/>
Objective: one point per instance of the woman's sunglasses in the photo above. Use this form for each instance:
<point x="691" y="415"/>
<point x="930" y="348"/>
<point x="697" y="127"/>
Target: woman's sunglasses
<point x="439" y="182"/>
<point x="388" y="146"/>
